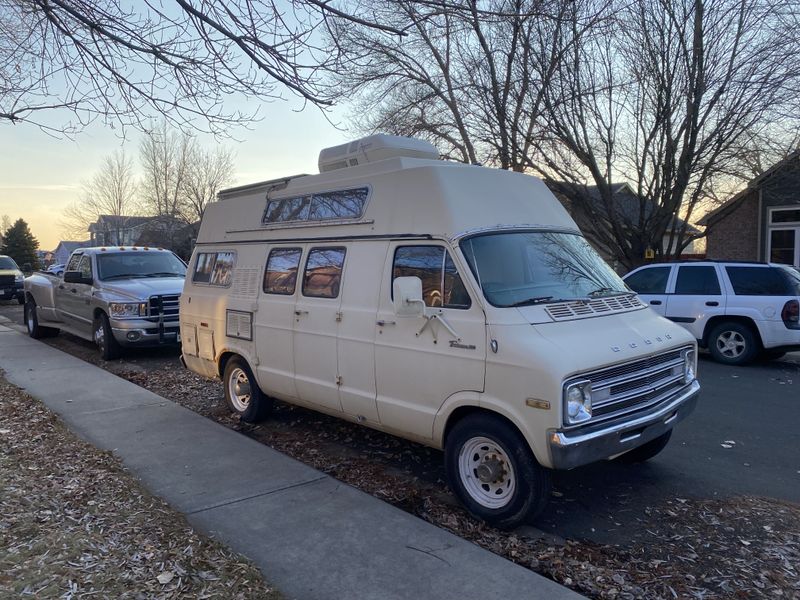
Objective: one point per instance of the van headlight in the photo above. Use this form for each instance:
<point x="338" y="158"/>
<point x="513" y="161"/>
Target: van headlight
<point x="578" y="402"/>
<point x="689" y="366"/>
<point x="122" y="310"/>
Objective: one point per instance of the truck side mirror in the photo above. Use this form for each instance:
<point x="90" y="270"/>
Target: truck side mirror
<point x="76" y="277"/>
<point x="407" y="297"/>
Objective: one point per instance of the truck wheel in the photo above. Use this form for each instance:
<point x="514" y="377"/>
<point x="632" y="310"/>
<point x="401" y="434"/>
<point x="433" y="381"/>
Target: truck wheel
<point x="21" y="299"/>
<point x="242" y="393"/>
<point x="732" y="343"/>
<point x="32" y="322"/>
<point x="104" y="338"/>
<point x="493" y="471"/>
<point x="646" y="451"/>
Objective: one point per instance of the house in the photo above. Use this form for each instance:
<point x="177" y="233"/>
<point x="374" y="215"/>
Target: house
<point x="120" y="230"/>
<point x="628" y="206"/>
<point x="65" y="248"/>
<point x="761" y="222"/>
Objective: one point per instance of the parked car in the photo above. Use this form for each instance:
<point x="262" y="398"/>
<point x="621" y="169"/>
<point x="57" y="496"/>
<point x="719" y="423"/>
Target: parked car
<point x="737" y="310"/>
<point x="454" y="305"/>
<point x="57" y="269"/>
<point x="11" y="280"/>
<point x="116" y="297"/>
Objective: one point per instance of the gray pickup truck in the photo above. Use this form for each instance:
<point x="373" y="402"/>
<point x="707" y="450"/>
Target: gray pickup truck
<point x="115" y="297"/>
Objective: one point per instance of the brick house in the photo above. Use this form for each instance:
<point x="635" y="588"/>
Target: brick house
<point x="761" y="222"/>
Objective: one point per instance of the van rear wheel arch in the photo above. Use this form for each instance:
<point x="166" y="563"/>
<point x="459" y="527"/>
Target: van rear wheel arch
<point x="242" y="392"/>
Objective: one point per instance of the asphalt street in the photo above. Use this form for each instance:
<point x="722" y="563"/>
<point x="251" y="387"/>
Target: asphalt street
<point x="743" y="439"/>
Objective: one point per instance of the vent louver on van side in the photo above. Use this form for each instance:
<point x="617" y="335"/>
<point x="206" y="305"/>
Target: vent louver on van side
<point x="374" y="148"/>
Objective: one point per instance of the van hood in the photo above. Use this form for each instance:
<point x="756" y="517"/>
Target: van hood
<point x="142" y="289"/>
<point x="596" y="342"/>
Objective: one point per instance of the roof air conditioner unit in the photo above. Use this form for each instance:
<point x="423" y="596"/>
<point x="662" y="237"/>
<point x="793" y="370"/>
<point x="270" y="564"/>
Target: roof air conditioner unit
<point x="374" y="148"/>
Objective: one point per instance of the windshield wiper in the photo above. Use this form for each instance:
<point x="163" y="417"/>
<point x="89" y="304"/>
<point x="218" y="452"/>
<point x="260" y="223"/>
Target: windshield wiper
<point x="123" y="276"/>
<point x="165" y="274"/>
<point x="607" y="291"/>
<point x="531" y="301"/>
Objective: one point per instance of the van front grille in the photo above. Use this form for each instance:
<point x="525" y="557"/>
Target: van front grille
<point x="636" y="385"/>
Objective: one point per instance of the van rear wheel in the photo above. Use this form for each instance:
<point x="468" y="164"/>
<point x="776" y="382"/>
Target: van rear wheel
<point x="493" y="471"/>
<point x="242" y="393"/>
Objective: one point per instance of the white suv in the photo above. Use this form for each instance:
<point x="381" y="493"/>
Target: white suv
<point x="735" y="309"/>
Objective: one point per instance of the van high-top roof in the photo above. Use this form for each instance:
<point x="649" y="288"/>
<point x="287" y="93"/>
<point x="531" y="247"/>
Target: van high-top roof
<point x="399" y="195"/>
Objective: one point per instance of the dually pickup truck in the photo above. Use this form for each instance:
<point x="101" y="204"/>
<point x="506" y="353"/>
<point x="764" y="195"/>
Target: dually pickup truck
<point x="116" y="297"/>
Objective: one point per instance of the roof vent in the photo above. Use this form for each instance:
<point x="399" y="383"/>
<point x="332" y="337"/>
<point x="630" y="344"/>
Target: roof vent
<point x="374" y="148"/>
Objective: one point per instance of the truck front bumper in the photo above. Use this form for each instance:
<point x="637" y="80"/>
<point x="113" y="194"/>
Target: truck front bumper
<point x="577" y="447"/>
<point x="15" y="290"/>
<point x="140" y="332"/>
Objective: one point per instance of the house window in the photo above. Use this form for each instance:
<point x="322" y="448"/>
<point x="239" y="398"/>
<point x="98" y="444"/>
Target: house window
<point x="783" y="237"/>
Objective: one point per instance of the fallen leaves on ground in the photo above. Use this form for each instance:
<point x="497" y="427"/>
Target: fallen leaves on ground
<point x="74" y="523"/>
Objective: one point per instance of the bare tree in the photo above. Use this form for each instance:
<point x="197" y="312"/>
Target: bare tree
<point x="125" y="62"/>
<point x="111" y="191"/>
<point x="207" y="172"/>
<point x="164" y="155"/>
<point x="467" y="76"/>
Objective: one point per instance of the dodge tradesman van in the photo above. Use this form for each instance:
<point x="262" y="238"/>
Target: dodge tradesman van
<point x="454" y="305"/>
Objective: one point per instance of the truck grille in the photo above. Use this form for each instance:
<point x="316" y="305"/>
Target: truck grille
<point x="164" y="305"/>
<point x="636" y="385"/>
<point x="6" y="280"/>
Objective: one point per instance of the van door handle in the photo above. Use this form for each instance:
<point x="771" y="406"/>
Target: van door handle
<point x="383" y="323"/>
<point x="655" y="302"/>
<point x="300" y="312"/>
<point x="712" y="303"/>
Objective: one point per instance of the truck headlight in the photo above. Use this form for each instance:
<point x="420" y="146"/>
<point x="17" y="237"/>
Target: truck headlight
<point x="689" y="366"/>
<point x="19" y="277"/>
<point x="578" y="402"/>
<point x="122" y="310"/>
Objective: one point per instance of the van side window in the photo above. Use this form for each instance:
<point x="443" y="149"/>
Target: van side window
<point x="324" y="206"/>
<point x="441" y="284"/>
<point x="280" y="276"/>
<point x="214" y="268"/>
<point x="323" y="272"/>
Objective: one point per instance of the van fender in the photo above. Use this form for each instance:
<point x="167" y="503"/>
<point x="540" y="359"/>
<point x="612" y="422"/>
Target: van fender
<point x="471" y="399"/>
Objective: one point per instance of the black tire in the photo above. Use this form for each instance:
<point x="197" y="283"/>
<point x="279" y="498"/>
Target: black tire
<point x="251" y="405"/>
<point x="500" y="502"/>
<point x="733" y="343"/>
<point x="646" y="451"/>
<point x="21" y="299"/>
<point x="104" y="338"/>
<point x="31" y="319"/>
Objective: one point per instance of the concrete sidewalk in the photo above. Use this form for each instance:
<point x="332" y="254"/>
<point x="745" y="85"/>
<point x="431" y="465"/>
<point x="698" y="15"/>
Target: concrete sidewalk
<point x="312" y="536"/>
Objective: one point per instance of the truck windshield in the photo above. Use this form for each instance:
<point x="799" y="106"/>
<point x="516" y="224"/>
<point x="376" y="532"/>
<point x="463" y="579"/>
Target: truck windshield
<point x="8" y="263"/>
<point x="121" y="265"/>
<point x="533" y="267"/>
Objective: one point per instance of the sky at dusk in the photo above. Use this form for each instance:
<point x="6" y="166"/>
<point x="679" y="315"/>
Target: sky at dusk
<point x="40" y="175"/>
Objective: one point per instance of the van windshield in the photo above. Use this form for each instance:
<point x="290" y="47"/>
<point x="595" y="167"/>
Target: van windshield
<point x="533" y="267"/>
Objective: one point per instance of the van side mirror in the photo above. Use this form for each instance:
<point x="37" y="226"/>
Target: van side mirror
<point x="76" y="277"/>
<point x="407" y="294"/>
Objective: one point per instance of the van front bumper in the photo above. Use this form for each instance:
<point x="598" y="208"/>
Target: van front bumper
<point x="577" y="447"/>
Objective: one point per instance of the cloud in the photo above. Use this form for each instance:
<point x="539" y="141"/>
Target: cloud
<point x="55" y="187"/>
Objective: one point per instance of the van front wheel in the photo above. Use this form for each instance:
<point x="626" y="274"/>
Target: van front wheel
<point x="493" y="471"/>
<point x="242" y="393"/>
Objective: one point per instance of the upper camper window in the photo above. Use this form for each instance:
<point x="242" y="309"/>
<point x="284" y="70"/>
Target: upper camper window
<point x="323" y="272"/>
<point x="326" y="206"/>
<point x="441" y="284"/>
<point x="280" y="276"/>
<point x="214" y="268"/>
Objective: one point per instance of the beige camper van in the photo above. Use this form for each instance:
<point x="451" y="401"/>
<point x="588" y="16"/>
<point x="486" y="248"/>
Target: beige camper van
<point x="454" y="305"/>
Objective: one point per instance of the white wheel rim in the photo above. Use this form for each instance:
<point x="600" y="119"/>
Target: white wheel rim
<point x="100" y="335"/>
<point x="30" y="319"/>
<point x="731" y="344"/>
<point x="486" y="472"/>
<point x="239" y="389"/>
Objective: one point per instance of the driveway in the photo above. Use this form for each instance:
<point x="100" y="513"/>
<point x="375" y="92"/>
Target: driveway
<point x="742" y="440"/>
